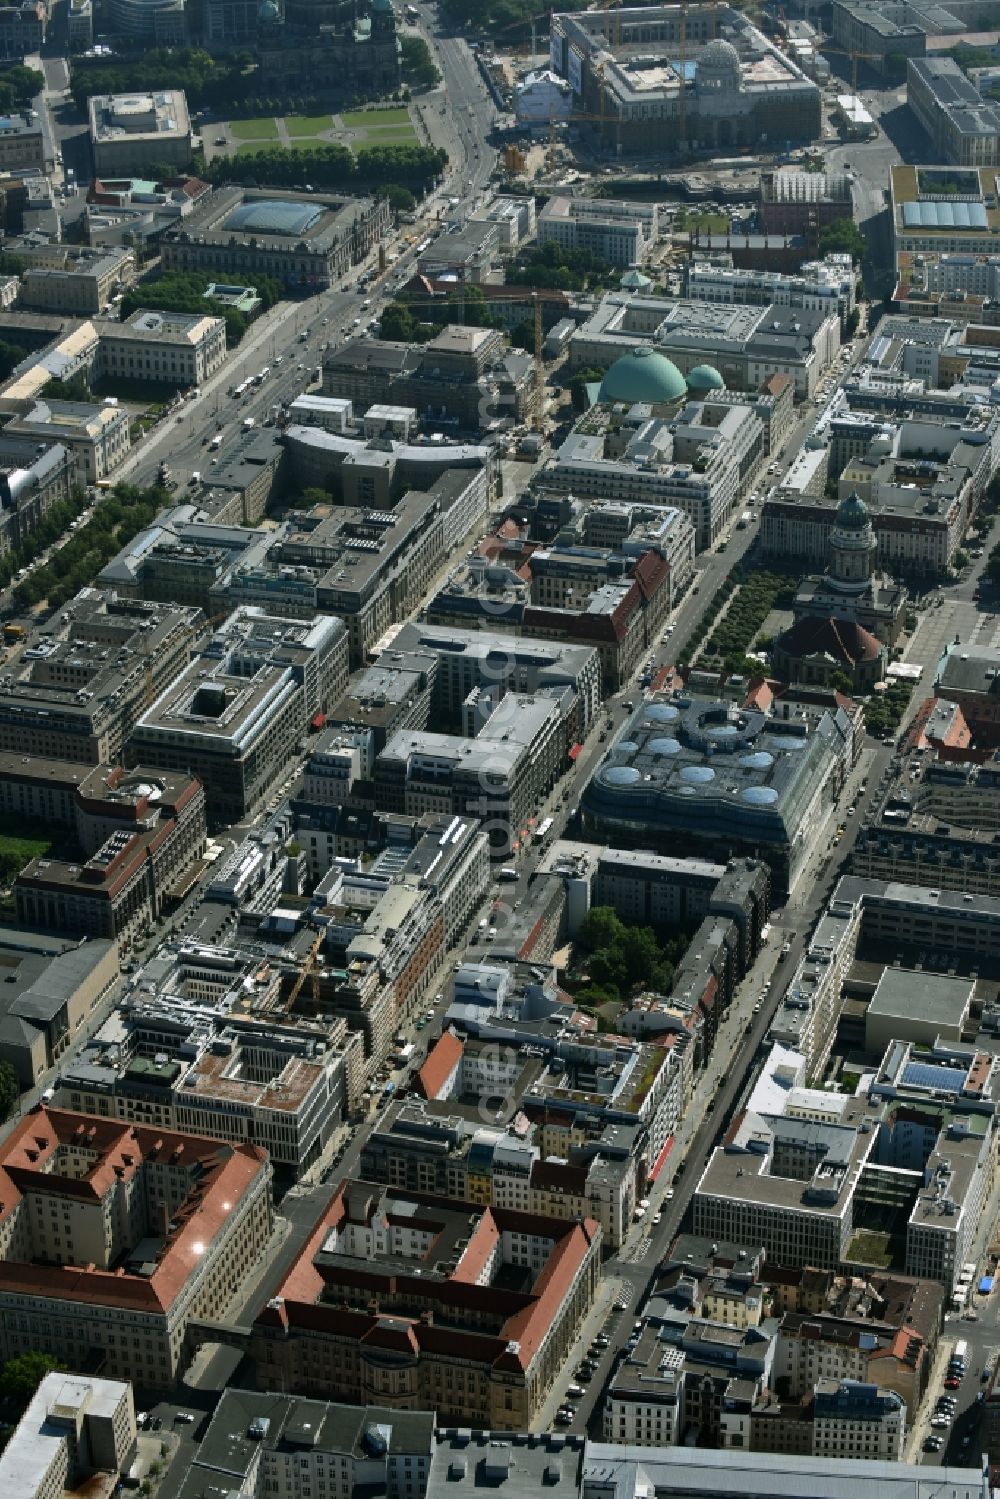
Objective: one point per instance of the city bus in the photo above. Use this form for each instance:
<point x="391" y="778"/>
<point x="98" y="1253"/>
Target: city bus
<point x="543" y="830"/>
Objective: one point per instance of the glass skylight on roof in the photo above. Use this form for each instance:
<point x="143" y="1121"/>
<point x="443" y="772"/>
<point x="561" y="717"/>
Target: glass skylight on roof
<point x="270" y="216"/>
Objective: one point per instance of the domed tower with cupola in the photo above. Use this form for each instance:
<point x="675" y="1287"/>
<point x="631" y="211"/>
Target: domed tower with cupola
<point x="852" y="547"/>
<point x="847" y="619"/>
<point x="717" y="70"/>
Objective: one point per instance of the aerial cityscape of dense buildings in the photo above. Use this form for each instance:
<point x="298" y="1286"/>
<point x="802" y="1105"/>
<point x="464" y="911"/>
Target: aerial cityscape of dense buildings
<point x="499" y="719"/>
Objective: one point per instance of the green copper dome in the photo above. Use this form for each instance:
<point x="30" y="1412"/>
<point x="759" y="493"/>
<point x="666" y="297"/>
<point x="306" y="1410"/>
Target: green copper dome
<point x="705" y="377"/>
<point x="643" y="375"/>
<point x="852" y="514"/>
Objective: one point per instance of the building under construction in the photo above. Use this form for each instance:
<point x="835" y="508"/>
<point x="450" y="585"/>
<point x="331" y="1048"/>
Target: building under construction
<point x="804" y="202"/>
<point x="682" y="77"/>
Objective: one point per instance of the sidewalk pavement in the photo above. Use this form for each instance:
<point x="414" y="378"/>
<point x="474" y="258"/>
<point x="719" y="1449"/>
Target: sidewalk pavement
<point x="608" y="1289"/>
<point x="921" y="1427"/>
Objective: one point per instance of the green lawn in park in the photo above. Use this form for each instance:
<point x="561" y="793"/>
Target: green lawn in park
<point x="387" y="138"/>
<point x="299" y="125"/>
<point x="254" y="130"/>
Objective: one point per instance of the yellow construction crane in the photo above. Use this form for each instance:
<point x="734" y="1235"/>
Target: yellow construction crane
<point x="682" y="124"/>
<point x="539" y="372"/>
<point x="527" y="294"/>
<point x="855" y="57"/>
<point x="308" y="967"/>
<point x="575" y="118"/>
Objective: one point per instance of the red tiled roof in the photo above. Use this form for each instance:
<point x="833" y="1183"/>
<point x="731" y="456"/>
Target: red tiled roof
<point x="477" y="1253"/>
<point x="228" y="1171"/>
<point x="395" y="1334"/>
<point x="759" y="695"/>
<point x="550" y="1290"/>
<point x="842" y="639"/>
<point x="441" y="1062"/>
<point x="651" y="572"/>
<point x="526" y="1316"/>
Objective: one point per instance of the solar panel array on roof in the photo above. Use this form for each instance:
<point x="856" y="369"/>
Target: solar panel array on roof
<point x="925" y="1075"/>
<point x="944" y="216"/>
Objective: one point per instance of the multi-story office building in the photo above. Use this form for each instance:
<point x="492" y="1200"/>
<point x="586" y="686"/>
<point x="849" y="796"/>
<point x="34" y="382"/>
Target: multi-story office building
<point x="878" y="32"/>
<point x="457" y="662"/>
<point x="64" y="278"/>
<point x="940" y="1110"/>
<point x="607" y="597"/>
<point x="463" y="373"/>
<point x="187" y="1051"/>
<point x="806" y="1019"/>
<point x="141" y="835"/>
<point x="170" y="348"/>
<point x="854" y="1421"/>
<point x="660" y="891"/>
<point x="850" y="1329"/>
<point x="969" y="675"/>
<point x="235" y="712"/>
<point x="621" y="233"/>
<point x="54" y="987"/>
<point x="293" y="1448"/>
<point x="129" y="132"/>
<point x="700" y="460"/>
<point x="500" y="775"/>
<point x="597" y="1470"/>
<point x="490" y="1366"/>
<point x="23" y="142"/>
<point x="78" y="687"/>
<point x="113" y="1237"/>
<point x="426" y="1146"/>
<point x="798" y="1199"/>
<point x="32" y="477"/>
<point x="80" y="25"/>
<point x="820" y="285"/>
<point x="500" y="1002"/>
<point x="22" y="30"/>
<point x="186" y="560"/>
<point x="978" y="276"/>
<point x="384" y="942"/>
<point x="371" y="567"/>
<point x="942" y="1175"/>
<point x="382" y="700"/>
<point x="77" y="1432"/>
<point x="964" y="128"/>
<point x="937" y="829"/>
<point x="924" y="219"/>
<point x="97" y="437"/>
<point x="149" y="21"/>
<point x="721" y="778"/>
<point x="375" y="465"/>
